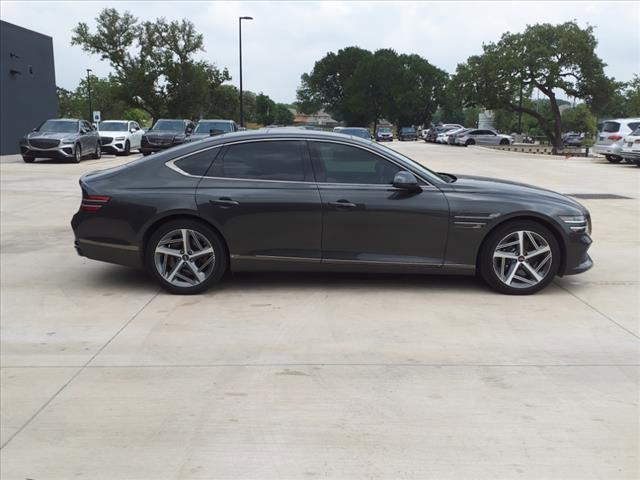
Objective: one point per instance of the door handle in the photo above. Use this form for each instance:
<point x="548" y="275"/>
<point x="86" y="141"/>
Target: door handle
<point x="343" y="204"/>
<point x="224" y="202"/>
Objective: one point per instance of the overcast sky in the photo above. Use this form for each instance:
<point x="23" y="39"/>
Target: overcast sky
<point x="286" y="38"/>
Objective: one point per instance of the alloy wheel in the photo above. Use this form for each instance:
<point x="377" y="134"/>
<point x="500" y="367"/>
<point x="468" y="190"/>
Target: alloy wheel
<point x="522" y="259"/>
<point x="184" y="258"/>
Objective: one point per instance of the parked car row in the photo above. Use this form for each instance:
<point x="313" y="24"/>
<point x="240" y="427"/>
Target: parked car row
<point x="453" y="134"/>
<point x="74" y="139"/>
<point x="383" y="134"/>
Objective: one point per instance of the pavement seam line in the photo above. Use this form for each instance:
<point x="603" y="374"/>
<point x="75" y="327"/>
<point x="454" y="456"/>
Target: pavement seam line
<point x="78" y="372"/>
<point x="597" y="311"/>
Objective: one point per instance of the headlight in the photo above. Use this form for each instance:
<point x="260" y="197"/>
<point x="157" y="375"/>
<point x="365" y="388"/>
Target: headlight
<point x="120" y="138"/>
<point x="68" y="140"/>
<point x="577" y="223"/>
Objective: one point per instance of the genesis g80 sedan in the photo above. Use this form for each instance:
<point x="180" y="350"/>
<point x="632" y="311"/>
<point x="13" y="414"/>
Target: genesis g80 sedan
<point x="300" y="200"/>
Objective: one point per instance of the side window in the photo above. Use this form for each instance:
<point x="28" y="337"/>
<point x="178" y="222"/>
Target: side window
<point x="339" y="163"/>
<point x="634" y="125"/>
<point x="268" y="160"/>
<point x="197" y="163"/>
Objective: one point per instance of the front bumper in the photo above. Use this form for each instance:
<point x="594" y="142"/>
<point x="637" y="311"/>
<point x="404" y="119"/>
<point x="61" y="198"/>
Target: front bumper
<point x="384" y="139"/>
<point x="115" y="146"/>
<point x="577" y="260"/>
<point x="60" y="152"/>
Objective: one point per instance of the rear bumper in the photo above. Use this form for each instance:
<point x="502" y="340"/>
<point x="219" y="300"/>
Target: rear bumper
<point x="613" y="149"/>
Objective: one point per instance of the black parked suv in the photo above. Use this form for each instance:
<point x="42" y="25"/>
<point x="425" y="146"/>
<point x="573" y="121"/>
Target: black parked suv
<point x="166" y="133"/>
<point x="407" y="133"/>
<point x="61" y="138"/>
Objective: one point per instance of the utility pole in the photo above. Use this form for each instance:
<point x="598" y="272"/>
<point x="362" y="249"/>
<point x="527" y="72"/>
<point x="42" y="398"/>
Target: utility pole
<point x="89" y="89"/>
<point x="240" y="45"/>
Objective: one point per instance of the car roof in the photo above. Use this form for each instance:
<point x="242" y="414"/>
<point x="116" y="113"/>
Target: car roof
<point x="216" y="120"/>
<point x="281" y="132"/>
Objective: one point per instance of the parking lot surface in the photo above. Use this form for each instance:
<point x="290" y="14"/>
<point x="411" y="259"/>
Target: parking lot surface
<point x="104" y="376"/>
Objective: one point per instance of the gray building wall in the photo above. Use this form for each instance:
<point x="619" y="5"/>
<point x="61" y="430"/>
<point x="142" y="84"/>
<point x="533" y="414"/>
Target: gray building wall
<point x="27" y="83"/>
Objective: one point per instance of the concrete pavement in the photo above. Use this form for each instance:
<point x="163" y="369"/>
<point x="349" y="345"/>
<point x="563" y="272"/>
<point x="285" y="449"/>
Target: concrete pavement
<point x="318" y="376"/>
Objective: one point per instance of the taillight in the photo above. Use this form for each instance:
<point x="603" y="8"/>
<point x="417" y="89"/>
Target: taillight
<point x="615" y="138"/>
<point x="93" y="203"/>
<point x="637" y="140"/>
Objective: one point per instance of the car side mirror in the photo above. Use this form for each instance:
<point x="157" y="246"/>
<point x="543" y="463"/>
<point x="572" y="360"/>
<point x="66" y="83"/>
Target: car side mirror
<point x="189" y="130"/>
<point x="83" y="131"/>
<point x="133" y="130"/>
<point x="406" y="181"/>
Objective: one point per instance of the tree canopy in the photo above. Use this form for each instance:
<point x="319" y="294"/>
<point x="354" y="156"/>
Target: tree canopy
<point x="153" y="62"/>
<point x="360" y="87"/>
<point x="550" y="58"/>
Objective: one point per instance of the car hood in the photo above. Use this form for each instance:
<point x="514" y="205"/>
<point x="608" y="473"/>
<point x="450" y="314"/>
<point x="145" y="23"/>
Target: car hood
<point x="52" y="135"/>
<point x="484" y="185"/>
<point x="113" y="133"/>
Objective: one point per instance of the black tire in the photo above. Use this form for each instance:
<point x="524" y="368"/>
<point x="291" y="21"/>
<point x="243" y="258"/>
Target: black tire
<point x="145" y="153"/>
<point x="504" y="141"/>
<point x="77" y="154"/>
<point x="127" y="149"/>
<point x="98" y="153"/>
<point x="485" y="257"/>
<point x="613" y="158"/>
<point x="218" y="245"/>
<point x="28" y="159"/>
<point x="470" y="142"/>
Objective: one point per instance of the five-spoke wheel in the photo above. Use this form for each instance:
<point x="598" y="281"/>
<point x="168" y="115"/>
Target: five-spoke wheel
<point x="519" y="258"/>
<point x="187" y="256"/>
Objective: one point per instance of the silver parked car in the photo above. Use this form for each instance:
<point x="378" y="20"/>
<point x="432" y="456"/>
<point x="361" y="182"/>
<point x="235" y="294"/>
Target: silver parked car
<point x="611" y="136"/>
<point x="483" y="137"/>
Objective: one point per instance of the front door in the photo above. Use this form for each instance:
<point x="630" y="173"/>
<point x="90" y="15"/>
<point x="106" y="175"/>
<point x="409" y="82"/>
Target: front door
<point x="262" y="196"/>
<point x="368" y="221"/>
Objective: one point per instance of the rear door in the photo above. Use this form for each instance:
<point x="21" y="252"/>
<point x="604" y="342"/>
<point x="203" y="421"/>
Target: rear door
<point x="262" y="195"/>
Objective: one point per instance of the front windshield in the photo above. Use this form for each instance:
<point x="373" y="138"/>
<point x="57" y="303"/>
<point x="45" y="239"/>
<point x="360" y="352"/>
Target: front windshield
<point x="59" y="126"/>
<point x="384" y="130"/>
<point x="407" y="130"/>
<point x="356" y="132"/>
<point x="113" y="127"/>
<point x="206" y="127"/>
<point x="418" y="166"/>
<point x="169" y="125"/>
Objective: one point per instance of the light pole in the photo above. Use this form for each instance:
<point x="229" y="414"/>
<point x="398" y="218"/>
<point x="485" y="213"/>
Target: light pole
<point x="240" y="44"/>
<point x="89" y="89"/>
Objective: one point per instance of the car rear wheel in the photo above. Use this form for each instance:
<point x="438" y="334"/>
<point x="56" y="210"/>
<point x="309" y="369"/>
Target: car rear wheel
<point x="519" y="258"/>
<point x="613" y="158"/>
<point x="186" y="256"/>
<point x="28" y="158"/>
<point x="77" y="153"/>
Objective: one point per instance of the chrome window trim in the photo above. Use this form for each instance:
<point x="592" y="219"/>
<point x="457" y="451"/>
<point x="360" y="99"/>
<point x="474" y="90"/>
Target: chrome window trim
<point x="171" y="164"/>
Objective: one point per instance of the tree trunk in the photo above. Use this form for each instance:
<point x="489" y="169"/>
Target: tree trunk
<point x="557" y="125"/>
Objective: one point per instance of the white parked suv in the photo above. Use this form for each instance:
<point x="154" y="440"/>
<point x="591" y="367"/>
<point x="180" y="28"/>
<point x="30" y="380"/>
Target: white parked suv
<point x="611" y="137"/>
<point x="631" y="147"/>
<point x="120" y="136"/>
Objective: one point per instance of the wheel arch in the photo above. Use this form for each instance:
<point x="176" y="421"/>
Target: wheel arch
<point x="158" y="222"/>
<point x="533" y="217"/>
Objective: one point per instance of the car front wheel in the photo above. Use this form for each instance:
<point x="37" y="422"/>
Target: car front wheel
<point x="186" y="256"/>
<point x="28" y="159"/>
<point x="77" y="154"/>
<point x="613" y="158"/>
<point x="519" y="258"/>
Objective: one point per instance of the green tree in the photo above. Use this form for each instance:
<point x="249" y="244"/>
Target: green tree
<point x="153" y="62"/>
<point x="283" y="115"/>
<point x="265" y="109"/>
<point x="579" y="119"/>
<point x="632" y="97"/>
<point x="549" y="58"/>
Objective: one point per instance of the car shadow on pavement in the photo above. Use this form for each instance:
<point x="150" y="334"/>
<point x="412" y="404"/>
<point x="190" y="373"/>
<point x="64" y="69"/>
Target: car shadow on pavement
<point x="137" y="279"/>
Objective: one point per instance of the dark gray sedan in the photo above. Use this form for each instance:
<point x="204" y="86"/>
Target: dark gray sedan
<point x="61" y="138"/>
<point x="292" y="199"/>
